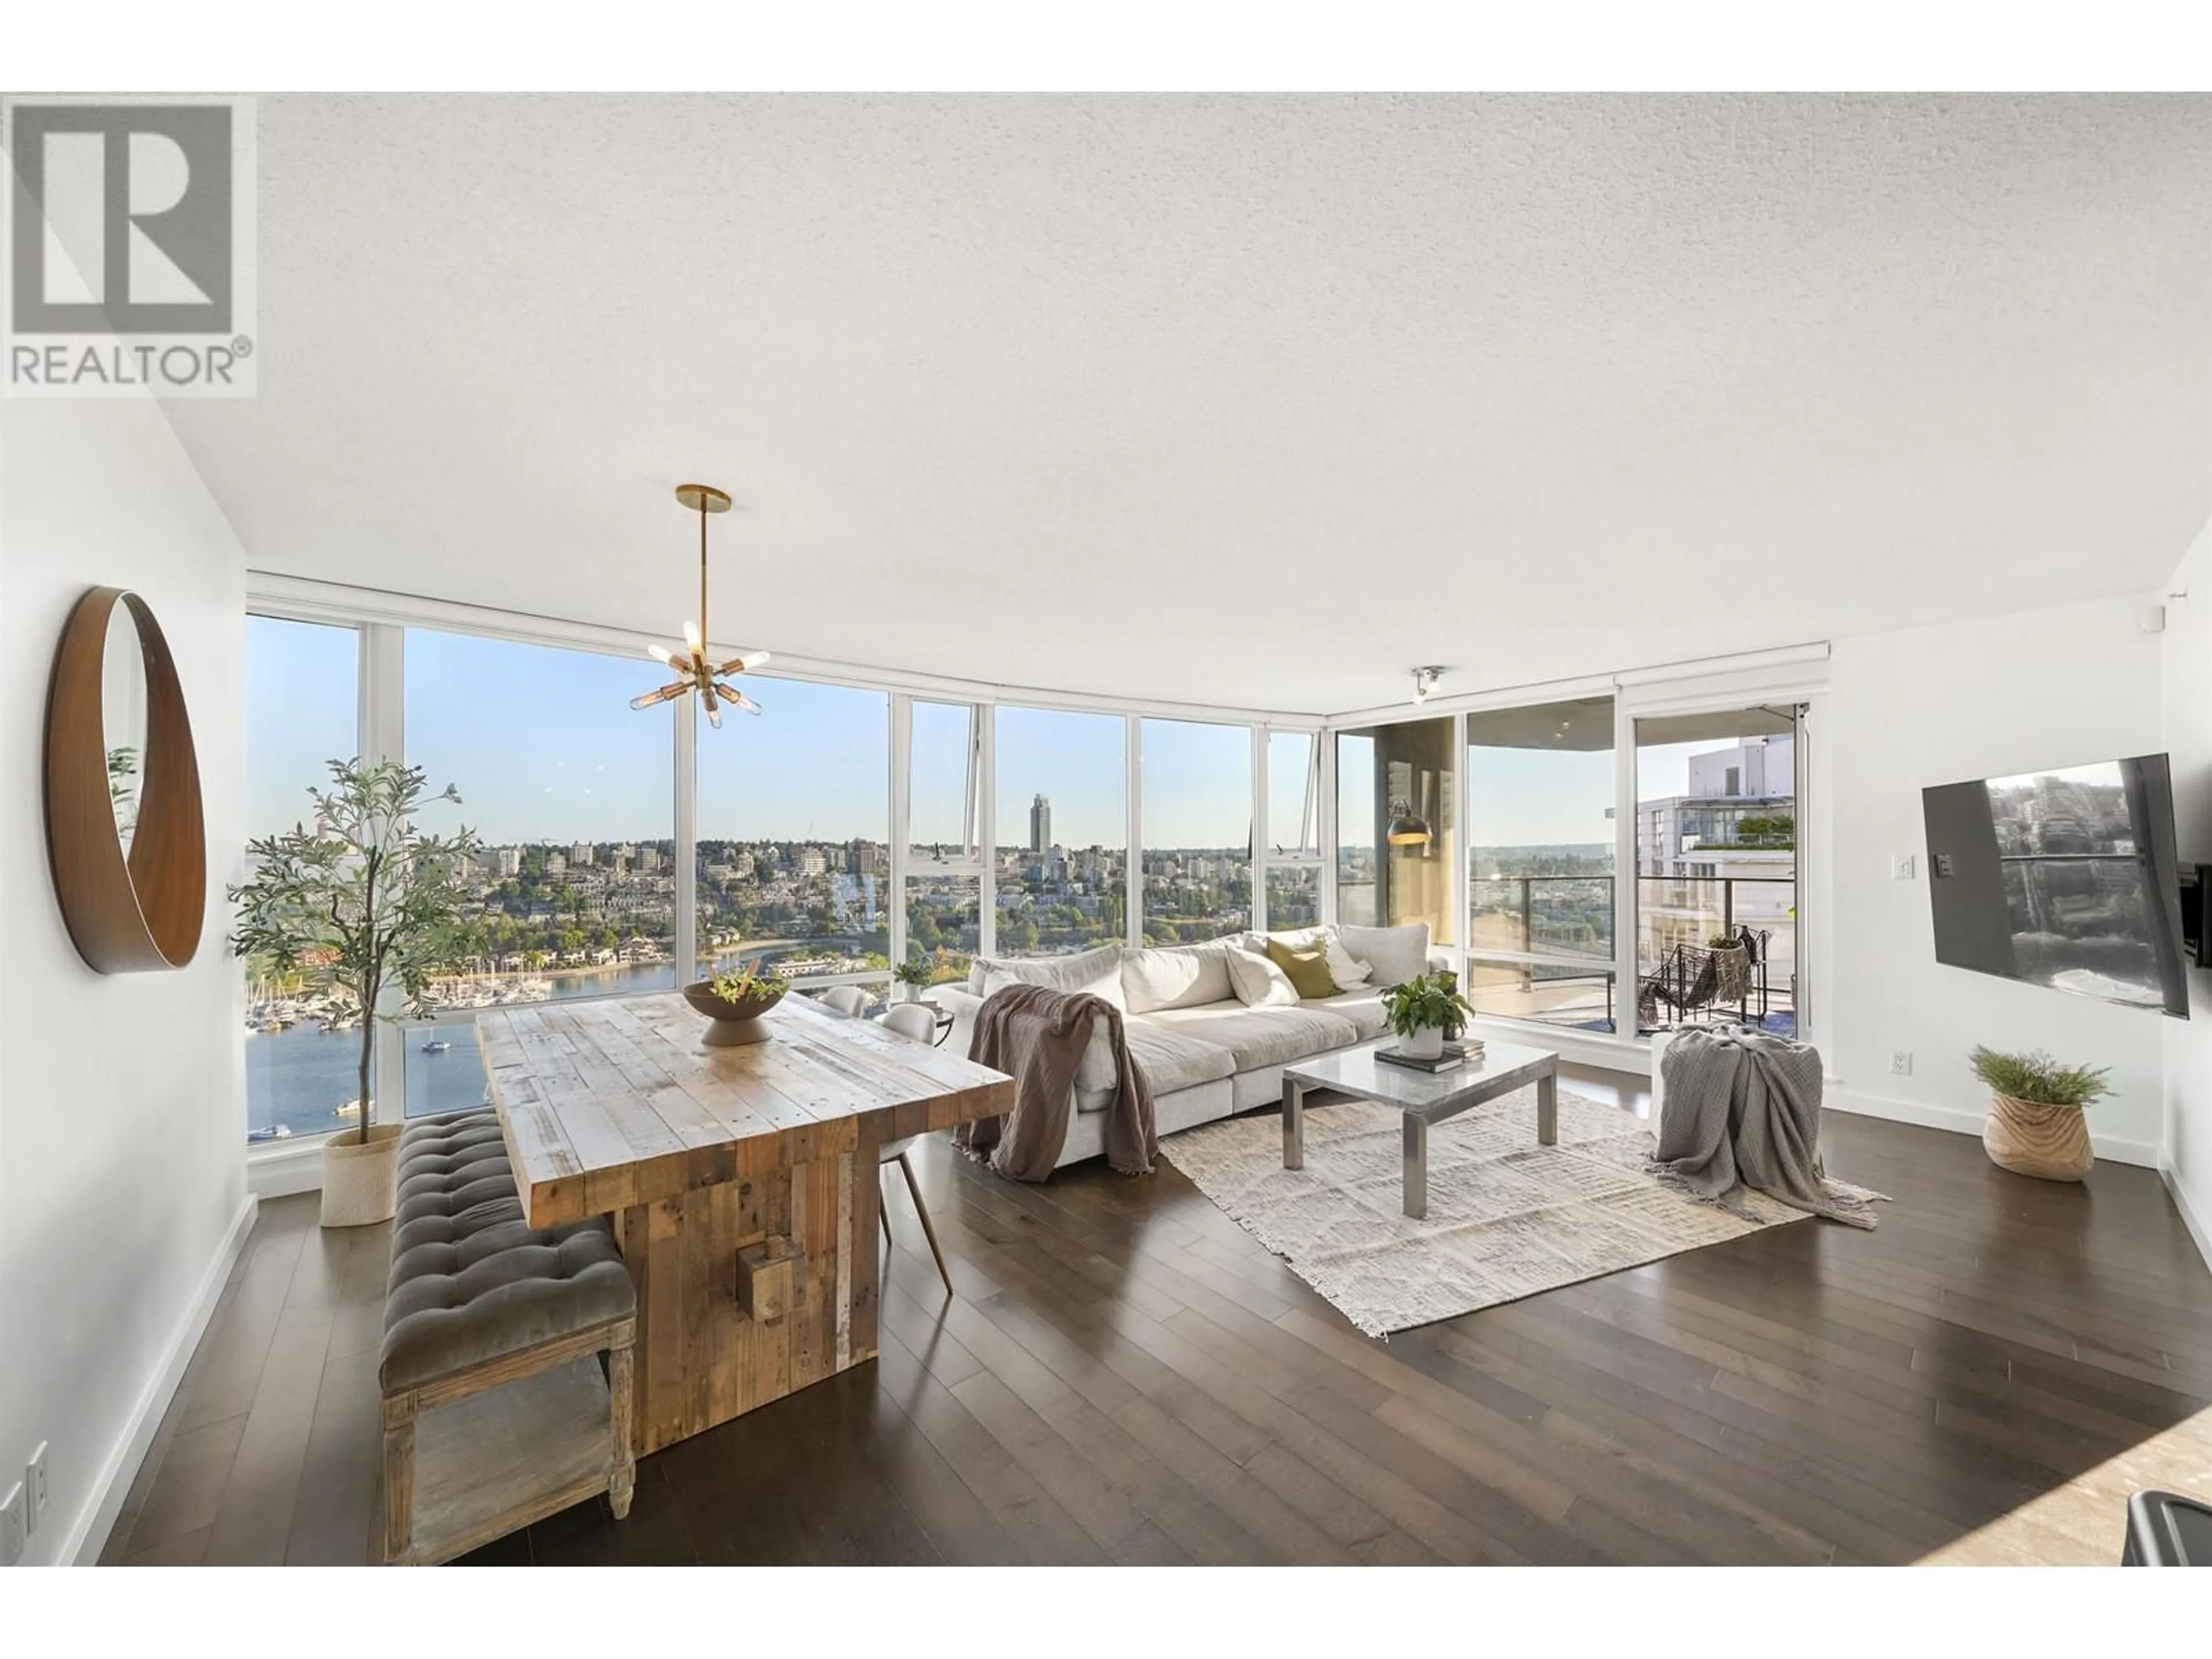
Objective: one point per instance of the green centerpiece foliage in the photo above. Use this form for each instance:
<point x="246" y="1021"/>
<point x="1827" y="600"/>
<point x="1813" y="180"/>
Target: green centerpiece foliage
<point x="362" y="902"/>
<point x="742" y="984"/>
<point x="916" y="970"/>
<point x="2036" y="1078"/>
<point x="1426" y="1001"/>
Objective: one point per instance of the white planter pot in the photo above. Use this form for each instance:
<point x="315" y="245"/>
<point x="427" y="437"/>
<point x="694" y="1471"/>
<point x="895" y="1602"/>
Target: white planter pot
<point x="1427" y="1042"/>
<point x="359" y="1181"/>
<point x="904" y="993"/>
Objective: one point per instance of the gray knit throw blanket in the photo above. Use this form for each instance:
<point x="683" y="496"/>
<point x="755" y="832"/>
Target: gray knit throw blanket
<point x="1742" y="1109"/>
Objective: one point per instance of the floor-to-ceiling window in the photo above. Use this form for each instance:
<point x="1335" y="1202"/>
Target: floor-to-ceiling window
<point x="1717" y="868"/>
<point x="1541" y="895"/>
<point x="1396" y="839"/>
<point x="573" y="793"/>
<point x="793" y="829"/>
<point x="302" y="711"/>
<point x="1061" y="864"/>
<point x="1196" y="800"/>
<point x="1293" y="838"/>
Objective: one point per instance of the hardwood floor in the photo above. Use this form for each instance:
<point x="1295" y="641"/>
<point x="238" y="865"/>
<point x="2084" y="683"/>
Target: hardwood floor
<point x="1123" y="1375"/>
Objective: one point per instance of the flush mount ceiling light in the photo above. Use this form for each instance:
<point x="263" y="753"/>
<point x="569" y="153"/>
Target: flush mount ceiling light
<point x="1425" y="681"/>
<point x="692" y="670"/>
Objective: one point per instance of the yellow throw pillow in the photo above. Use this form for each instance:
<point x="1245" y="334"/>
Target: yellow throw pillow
<point x="1307" y="968"/>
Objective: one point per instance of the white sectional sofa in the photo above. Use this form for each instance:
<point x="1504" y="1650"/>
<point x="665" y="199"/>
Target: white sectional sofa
<point x="1205" y="1051"/>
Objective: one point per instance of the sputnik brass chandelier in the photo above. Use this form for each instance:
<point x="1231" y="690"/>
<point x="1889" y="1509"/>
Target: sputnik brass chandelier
<point x="692" y="670"/>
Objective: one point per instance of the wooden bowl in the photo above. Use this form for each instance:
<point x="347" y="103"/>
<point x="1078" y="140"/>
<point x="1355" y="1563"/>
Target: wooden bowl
<point x="730" y="1023"/>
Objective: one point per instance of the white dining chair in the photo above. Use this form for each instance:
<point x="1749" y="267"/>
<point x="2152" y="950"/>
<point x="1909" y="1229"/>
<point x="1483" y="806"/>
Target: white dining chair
<point x="849" y="1000"/>
<point x="913" y="1021"/>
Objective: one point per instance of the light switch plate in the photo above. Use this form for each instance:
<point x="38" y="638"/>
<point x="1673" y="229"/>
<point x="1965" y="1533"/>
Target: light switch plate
<point x="1902" y="869"/>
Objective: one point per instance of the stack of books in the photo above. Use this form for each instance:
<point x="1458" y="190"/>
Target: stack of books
<point x="1455" y="1055"/>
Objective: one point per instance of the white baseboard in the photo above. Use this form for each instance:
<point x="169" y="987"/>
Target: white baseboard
<point x="1960" y="1122"/>
<point x="97" y="1519"/>
<point x="2199" y="1225"/>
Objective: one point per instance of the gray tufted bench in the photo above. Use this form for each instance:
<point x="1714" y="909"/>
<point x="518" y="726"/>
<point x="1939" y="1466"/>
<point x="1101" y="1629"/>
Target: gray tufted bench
<point x="479" y="1299"/>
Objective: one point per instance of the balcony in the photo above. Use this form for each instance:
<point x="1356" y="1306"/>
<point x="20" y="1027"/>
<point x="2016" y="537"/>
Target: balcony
<point x="1542" y="948"/>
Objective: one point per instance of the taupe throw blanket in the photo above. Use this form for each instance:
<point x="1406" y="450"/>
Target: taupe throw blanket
<point x="1743" y="1108"/>
<point x="1037" y="1036"/>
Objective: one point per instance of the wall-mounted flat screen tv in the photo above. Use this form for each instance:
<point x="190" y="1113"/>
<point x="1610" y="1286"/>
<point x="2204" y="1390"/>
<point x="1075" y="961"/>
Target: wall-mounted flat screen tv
<point x="2065" y="878"/>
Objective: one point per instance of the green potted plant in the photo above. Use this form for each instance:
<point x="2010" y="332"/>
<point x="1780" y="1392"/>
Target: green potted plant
<point x="2036" y="1126"/>
<point x="912" y="977"/>
<point x="360" y="904"/>
<point x="1423" y="1012"/>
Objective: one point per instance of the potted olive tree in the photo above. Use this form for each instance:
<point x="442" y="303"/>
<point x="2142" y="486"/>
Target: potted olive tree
<point x="2035" y="1125"/>
<point x="1423" y="1012"/>
<point x="361" y="903"/>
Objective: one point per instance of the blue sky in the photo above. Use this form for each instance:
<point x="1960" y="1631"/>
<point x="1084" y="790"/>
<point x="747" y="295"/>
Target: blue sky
<point x="544" y="746"/>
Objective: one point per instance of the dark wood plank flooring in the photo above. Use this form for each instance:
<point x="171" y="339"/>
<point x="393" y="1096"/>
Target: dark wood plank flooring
<point x="1121" y="1374"/>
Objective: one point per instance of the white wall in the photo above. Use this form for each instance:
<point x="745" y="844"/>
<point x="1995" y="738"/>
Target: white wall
<point x="122" y="1117"/>
<point x="1935" y="705"/>
<point x="2185" y="1150"/>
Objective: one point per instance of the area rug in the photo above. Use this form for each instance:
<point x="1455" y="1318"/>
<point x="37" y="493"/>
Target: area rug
<point x="1507" y="1218"/>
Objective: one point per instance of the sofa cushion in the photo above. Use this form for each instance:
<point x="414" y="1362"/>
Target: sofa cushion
<point x="1259" y="1036"/>
<point x="1096" y="971"/>
<point x="1306" y="966"/>
<point x="1259" y="982"/>
<point x="1363" y="1007"/>
<point x="1171" y="1061"/>
<point x="1395" y="954"/>
<point x="1177" y="975"/>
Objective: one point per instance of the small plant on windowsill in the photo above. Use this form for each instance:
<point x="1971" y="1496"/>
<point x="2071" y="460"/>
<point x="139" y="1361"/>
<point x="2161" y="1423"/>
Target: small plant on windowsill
<point x="361" y="904"/>
<point x="1424" y="1012"/>
<point x="2035" y="1125"/>
<point x="913" y="976"/>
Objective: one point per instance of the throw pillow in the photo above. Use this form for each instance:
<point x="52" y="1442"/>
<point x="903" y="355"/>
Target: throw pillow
<point x="1308" y="970"/>
<point x="1259" y="983"/>
<point x="1346" y="969"/>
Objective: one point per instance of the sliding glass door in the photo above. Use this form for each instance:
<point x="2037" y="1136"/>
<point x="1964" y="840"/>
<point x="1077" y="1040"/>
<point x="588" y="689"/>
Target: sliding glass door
<point x="1716" y="891"/>
<point x="1541" y="894"/>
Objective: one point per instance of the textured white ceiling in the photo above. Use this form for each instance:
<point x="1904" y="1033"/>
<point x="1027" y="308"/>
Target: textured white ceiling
<point x="1244" y="400"/>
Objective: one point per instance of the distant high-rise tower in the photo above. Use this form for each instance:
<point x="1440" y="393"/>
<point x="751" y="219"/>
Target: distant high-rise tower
<point x="1040" y="825"/>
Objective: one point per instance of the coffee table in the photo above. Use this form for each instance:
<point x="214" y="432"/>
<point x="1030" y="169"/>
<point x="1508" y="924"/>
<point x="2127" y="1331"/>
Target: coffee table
<point x="1425" y="1098"/>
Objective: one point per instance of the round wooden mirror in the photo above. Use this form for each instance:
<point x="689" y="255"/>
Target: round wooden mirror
<point x="123" y="828"/>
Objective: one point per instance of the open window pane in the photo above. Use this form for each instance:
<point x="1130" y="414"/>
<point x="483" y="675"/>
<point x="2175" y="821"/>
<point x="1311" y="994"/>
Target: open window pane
<point x="942" y="784"/>
<point x="1061" y="861"/>
<point x="302" y="709"/>
<point x="1197" y="804"/>
<point x="794" y="832"/>
<point x="1541" y="861"/>
<point x="1395" y="835"/>
<point x="1716" y="869"/>
<point x="1294" y="794"/>
<point x="572" y="792"/>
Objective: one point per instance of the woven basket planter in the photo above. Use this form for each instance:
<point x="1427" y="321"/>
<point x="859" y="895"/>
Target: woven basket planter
<point x="2051" y="1142"/>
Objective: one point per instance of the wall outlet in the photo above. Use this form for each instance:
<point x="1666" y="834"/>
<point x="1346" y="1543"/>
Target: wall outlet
<point x="15" y="1531"/>
<point x="1900" y="1062"/>
<point x="34" y="1483"/>
<point x="1902" y="869"/>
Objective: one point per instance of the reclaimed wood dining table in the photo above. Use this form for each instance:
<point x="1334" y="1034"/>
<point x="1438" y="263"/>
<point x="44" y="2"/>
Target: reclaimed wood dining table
<point x="741" y="1181"/>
